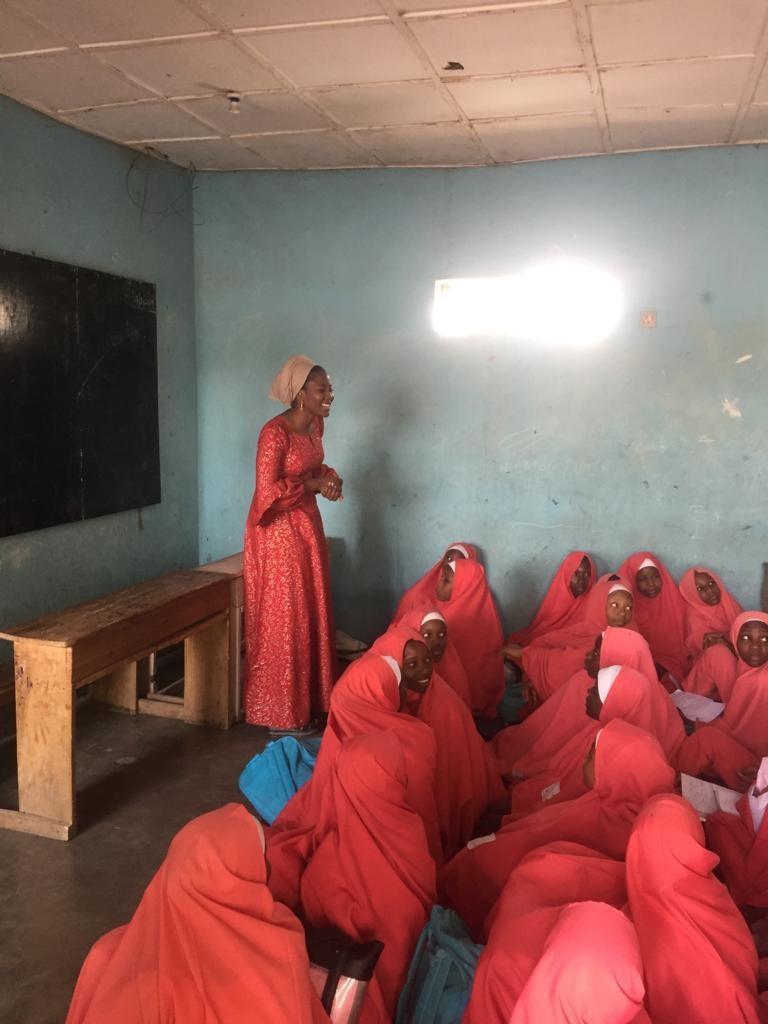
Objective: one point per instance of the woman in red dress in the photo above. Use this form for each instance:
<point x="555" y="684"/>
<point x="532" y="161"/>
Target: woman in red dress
<point x="289" y="633"/>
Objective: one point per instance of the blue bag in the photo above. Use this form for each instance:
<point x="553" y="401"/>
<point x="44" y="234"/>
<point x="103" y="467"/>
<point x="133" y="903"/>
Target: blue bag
<point x="440" y="977"/>
<point x="271" y="778"/>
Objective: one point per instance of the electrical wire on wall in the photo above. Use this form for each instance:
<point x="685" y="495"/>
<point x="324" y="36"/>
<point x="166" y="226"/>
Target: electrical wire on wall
<point x="137" y="185"/>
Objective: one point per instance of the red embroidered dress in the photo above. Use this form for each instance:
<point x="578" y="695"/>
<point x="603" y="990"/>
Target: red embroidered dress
<point x="289" y="632"/>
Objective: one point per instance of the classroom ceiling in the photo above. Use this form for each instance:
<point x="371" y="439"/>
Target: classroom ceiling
<point x="370" y="83"/>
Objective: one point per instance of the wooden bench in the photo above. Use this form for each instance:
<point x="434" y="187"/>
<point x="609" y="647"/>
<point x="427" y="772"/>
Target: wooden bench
<point x="105" y="640"/>
<point x="232" y="567"/>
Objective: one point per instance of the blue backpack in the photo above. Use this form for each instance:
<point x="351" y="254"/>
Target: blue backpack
<point x="271" y="778"/>
<point x="440" y="978"/>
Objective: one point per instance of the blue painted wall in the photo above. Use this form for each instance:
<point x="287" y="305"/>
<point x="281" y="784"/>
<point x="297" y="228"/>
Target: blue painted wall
<point x="527" y="451"/>
<point x="64" y="195"/>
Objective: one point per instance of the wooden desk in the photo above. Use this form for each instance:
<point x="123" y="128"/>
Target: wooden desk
<point x="232" y="566"/>
<point x="104" y="640"/>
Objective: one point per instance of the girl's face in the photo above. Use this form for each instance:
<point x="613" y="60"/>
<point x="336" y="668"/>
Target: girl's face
<point x="618" y="608"/>
<point x="752" y="643"/>
<point x="649" y="581"/>
<point x="707" y="588"/>
<point x="435" y="633"/>
<point x="445" y="583"/>
<point x="592" y="658"/>
<point x="579" y="583"/>
<point x="416" y="673"/>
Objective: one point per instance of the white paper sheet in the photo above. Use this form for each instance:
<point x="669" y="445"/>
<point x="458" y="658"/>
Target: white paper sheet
<point x="696" y="708"/>
<point x="707" y="798"/>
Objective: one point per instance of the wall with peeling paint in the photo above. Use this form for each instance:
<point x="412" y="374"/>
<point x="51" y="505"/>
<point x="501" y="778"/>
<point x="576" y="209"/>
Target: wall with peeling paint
<point x="654" y="439"/>
<point x="64" y="195"/>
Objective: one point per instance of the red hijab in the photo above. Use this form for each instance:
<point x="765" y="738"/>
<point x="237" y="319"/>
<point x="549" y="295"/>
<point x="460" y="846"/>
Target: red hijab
<point x="559" y="609"/>
<point x="699" y="955"/>
<point x="553" y="659"/>
<point x="742" y="848"/>
<point x="660" y="619"/>
<point x="425" y="589"/>
<point x="746" y="713"/>
<point x="701" y="618"/>
<point x="630" y="767"/>
<point x="207" y="942"/>
<point x="475" y="630"/>
<point x="450" y="666"/>
<point x="369" y="872"/>
<point x="561" y="965"/>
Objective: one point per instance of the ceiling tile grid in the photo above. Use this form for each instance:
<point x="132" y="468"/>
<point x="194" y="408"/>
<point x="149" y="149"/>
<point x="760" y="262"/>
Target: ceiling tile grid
<point x="312" y="84"/>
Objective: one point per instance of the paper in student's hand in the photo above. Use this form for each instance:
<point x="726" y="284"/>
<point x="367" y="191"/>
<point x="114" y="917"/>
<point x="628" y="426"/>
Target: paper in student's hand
<point x="706" y="797"/>
<point x="696" y="708"/>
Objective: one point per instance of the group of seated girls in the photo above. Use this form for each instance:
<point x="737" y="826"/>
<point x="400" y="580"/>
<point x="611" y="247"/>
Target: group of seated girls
<point x="562" y="843"/>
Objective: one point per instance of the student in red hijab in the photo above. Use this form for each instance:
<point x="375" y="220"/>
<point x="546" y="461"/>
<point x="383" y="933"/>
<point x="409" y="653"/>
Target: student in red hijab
<point x="432" y="584"/>
<point x="624" y="768"/>
<point x="709" y="614"/>
<point x="553" y="659"/>
<point x="564" y="600"/>
<point x="369" y="872"/>
<point x="207" y="942"/>
<point x="741" y="842"/>
<point x="430" y="623"/>
<point x="577" y="964"/>
<point x="659" y="612"/>
<point x="746" y="714"/>
<point x="699" y="956"/>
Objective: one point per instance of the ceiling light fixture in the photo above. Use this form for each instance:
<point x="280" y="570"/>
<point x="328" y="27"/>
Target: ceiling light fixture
<point x="234" y="102"/>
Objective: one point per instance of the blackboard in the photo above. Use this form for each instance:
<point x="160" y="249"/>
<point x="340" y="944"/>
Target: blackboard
<point x="78" y="394"/>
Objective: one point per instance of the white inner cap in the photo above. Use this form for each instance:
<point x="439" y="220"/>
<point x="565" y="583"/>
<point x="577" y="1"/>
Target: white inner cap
<point x="457" y="547"/>
<point x="597" y="737"/>
<point x="393" y="665"/>
<point x="647" y="563"/>
<point x="606" y="677"/>
<point x="432" y="617"/>
<point x="758" y="804"/>
<point x="619" y="586"/>
<point x="262" y="837"/>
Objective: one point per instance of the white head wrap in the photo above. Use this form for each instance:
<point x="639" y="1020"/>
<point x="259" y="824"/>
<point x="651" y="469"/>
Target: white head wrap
<point x="393" y="665"/>
<point x="619" y="586"/>
<point x="262" y="838"/>
<point x="647" y="564"/>
<point x="597" y="737"/>
<point x="432" y="617"/>
<point x="606" y="677"/>
<point x="457" y="547"/>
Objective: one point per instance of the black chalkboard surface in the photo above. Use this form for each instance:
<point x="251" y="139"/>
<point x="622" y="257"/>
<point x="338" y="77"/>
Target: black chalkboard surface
<point x="78" y="394"/>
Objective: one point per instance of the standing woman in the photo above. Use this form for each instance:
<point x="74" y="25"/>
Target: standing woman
<point x="289" y="633"/>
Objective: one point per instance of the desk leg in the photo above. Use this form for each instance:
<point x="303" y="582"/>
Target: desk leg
<point x="207" y="698"/>
<point x="45" y="734"/>
<point x="119" y="689"/>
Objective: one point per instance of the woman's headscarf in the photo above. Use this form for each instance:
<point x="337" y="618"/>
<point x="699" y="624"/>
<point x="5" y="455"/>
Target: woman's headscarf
<point x="699" y="955"/>
<point x="660" y="619"/>
<point x="424" y="589"/>
<point x="207" y="941"/>
<point x="290" y="379"/>
<point x="370" y="874"/>
<point x="701" y="618"/>
<point x="450" y="668"/>
<point x="559" y="608"/>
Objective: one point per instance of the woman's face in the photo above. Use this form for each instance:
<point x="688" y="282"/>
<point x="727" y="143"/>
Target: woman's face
<point x="592" y="657"/>
<point x="435" y="633"/>
<point x="752" y="643"/>
<point x="445" y="582"/>
<point x="593" y="705"/>
<point x="588" y="768"/>
<point x="707" y="588"/>
<point x="580" y="580"/>
<point x="649" y="581"/>
<point x="618" y="608"/>
<point x="452" y="554"/>
<point x="317" y="393"/>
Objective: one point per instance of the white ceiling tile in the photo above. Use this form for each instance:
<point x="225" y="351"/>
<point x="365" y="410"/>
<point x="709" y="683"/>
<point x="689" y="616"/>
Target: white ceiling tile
<point x="755" y="124"/>
<point x="262" y="112"/>
<point x="408" y="103"/>
<point x="64" y="80"/>
<point x="425" y="145"/>
<point x="527" y="39"/>
<point x="538" y="138"/>
<point x="670" y="127"/>
<point x="101" y="21"/>
<point x="192" y="67"/>
<point x="676" y="85"/>
<point x="240" y="14"/>
<point x="665" y="29"/>
<point x="526" y="94"/>
<point x="140" y="121"/>
<point x="211" y="155"/>
<point x="339" y="56"/>
<point x="308" y="150"/>
<point x="17" y="36"/>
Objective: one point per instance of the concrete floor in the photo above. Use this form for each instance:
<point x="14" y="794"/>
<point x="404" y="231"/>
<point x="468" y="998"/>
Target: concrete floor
<point x="139" y="779"/>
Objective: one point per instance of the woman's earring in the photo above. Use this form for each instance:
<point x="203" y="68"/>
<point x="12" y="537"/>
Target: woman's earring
<point x="301" y="407"/>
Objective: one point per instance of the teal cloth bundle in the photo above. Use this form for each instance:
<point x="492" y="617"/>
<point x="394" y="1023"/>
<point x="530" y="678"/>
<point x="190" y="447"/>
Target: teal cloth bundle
<point x="271" y="778"/>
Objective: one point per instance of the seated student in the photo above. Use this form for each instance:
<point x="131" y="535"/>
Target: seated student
<point x="433" y="583"/>
<point x="575" y="964"/>
<point x="564" y="602"/>
<point x="741" y="843"/>
<point x="709" y="614"/>
<point x="746" y="714"/>
<point x="551" y="660"/>
<point x="427" y="620"/>
<point x="699" y="956"/>
<point x="623" y="769"/>
<point x="659" y="613"/>
<point x="369" y="873"/>
<point x="207" y="942"/>
<point x="466" y="781"/>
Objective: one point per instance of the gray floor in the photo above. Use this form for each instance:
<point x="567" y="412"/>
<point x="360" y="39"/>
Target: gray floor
<point x="138" y="780"/>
